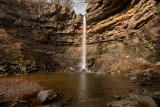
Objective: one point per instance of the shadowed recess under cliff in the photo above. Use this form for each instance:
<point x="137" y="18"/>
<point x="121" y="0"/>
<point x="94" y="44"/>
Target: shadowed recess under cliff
<point x="31" y="30"/>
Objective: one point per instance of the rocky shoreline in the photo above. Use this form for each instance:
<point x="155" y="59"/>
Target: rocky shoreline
<point x="14" y="91"/>
<point x="17" y="92"/>
<point x="147" y="93"/>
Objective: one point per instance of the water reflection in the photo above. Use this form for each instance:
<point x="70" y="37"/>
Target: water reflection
<point x="87" y="89"/>
<point x="82" y="87"/>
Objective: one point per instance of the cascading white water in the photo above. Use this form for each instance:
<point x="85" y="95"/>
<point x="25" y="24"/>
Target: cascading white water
<point x="84" y="44"/>
<point x="80" y="7"/>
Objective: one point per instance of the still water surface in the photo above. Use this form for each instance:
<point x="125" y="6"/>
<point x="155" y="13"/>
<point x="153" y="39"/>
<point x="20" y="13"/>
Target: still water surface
<point x="86" y="89"/>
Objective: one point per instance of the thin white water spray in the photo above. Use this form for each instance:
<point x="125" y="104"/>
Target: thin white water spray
<point x="80" y="6"/>
<point x="84" y="62"/>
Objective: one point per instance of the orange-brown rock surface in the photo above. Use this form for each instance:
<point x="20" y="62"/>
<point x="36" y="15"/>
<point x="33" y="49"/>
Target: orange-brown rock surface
<point x="39" y="36"/>
<point x="125" y="19"/>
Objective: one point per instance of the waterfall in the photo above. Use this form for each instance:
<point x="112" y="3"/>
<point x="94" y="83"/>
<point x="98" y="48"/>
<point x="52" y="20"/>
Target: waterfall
<point x="80" y="6"/>
<point x="84" y="44"/>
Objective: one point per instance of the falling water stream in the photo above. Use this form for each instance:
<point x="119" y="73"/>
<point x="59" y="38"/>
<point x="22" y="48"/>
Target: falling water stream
<point x="80" y="7"/>
<point x="84" y="43"/>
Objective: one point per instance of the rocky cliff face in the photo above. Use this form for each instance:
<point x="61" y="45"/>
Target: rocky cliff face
<point x="125" y="19"/>
<point x="39" y="36"/>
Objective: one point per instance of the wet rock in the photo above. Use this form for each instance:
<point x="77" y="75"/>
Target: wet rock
<point x="91" y="62"/>
<point x="133" y="78"/>
<point x="76" y="26"/>
<point x="47" y="95"/>
<point x="117" y="97"/>
<point x="2" y="69"/>
<point x="134" y="100"/>
<point x="156" y="97"/>
<point x="71" y="69"/>
<point x="83" y="70"/>
<point x="24" y="69"/>
<point x="150" y="73"/>
<point x="67" y="102"/>
<point x="158" y="63"/>
<point x="24" y="101"/>
<point x="143" y="100"/>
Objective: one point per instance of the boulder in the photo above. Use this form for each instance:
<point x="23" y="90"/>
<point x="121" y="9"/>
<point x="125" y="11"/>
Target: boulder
<point x="143" y="100"/>
<point x="134" y="100"/>
<point x="156" y="97"/>
<point x="158" y="63"/>
<point x="47" y="95"/>
<point x="133" y="78"/>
